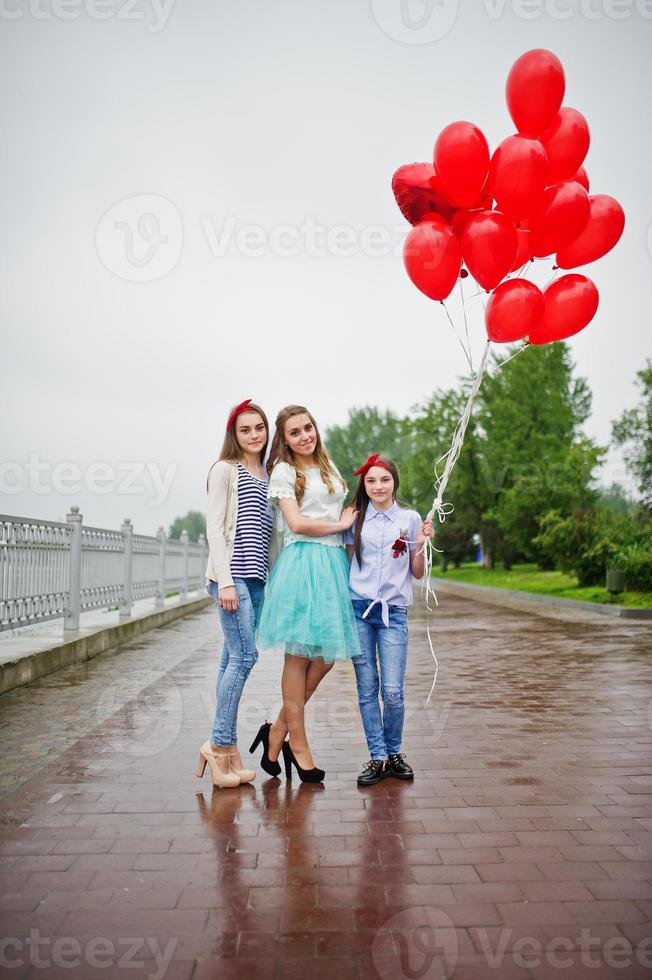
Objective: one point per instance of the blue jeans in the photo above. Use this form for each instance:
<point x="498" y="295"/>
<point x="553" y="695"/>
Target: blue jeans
<point x="386" y="645"/>
<point x="238" y="657"/>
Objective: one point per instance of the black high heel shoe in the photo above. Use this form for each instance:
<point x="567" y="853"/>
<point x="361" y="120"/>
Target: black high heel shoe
<point x="313" y="775"/>
<point x="271" y="768"/>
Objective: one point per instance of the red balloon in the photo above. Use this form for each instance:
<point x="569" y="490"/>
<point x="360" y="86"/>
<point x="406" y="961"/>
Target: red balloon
<point x="600" y="233"/>
<point x="513" y="311"/>
<point x="582" y="178"/>
<point x="570" y="303"/>
<point x="518" y="176"/>
<point x="461" y="159"/>
<point x="418" y="191"/>
<point x="564" y="214"/>
<point x="488" y="247"/>
<point x="534" y="91"/>
<point x="432" y="258"/>
<point x="523" y="247"/>
<point x="566" y="143"/>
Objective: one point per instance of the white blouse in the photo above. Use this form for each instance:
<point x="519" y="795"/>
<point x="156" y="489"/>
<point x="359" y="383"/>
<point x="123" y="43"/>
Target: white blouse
<point x="317" y="503"/>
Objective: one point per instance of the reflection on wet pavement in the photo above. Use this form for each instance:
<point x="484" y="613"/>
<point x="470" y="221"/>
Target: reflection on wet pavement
<point x="529" y="817"/>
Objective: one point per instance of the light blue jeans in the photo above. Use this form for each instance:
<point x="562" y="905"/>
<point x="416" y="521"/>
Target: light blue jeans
<point x="387" y="646"/>
<point x="238" y="657"/>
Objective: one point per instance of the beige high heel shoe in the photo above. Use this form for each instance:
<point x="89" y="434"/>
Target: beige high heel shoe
<point x="222" y="778"/>
<point x="245" y="775"/>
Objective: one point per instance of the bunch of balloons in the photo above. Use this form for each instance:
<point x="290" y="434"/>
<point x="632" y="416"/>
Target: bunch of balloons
<point x="496" y="212"/>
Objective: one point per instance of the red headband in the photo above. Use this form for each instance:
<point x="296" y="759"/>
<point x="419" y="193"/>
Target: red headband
<point x="238" y="410"/>
<point x="372" y="461"/>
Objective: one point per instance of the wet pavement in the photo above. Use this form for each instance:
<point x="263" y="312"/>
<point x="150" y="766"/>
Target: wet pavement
<point x="521" y="850"/>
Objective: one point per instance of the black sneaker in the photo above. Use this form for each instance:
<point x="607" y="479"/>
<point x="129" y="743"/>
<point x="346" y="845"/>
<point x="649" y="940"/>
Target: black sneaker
<point x="372" y="772"/>
<point x="397" y="766"/>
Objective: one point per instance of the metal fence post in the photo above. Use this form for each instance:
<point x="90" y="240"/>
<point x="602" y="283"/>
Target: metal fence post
<point x="71" y="617"/>
<point x="203" y="559"/>
<point x="160" y="595"/>
<point x="128" y="543"/>
<point x="184" y="542"/>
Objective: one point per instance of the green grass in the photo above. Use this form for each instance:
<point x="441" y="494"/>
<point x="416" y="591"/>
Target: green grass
<point x="528" y="578"/>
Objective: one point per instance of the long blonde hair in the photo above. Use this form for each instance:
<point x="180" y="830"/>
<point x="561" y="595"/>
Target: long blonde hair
<point x="281" y="453"/>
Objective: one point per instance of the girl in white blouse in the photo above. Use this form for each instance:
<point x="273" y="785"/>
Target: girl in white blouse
<point x="307" y="614"/>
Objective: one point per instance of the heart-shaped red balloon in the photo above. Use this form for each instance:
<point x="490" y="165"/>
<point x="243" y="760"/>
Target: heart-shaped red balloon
<point x="564" y="214"/>
<point x="599" y="235"/>
<point x="570" y="303"/>
<point x="461" y="158"/>
<point x="513" y="311"/>
<point x="517" y="177"/>
<point x="419" y="192"/>
<point x="432" y="258"/>
<point x="566" y="143"/>
<point x="488" y="247"/>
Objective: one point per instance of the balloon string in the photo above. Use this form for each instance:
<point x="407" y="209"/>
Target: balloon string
<point x="461" y="342"/>
<point x="556" y="273"/>
<point x="466" y="324"/>
<point x="438" y="507"/>
<point x="443" y="510"/>
<point x="524" y="346"/>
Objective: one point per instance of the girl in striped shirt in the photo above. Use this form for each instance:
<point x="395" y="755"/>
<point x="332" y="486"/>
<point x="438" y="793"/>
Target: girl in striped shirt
<point x="238" y="526"/>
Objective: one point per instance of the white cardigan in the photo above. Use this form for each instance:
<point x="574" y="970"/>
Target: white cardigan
<point x="221" y="521"/>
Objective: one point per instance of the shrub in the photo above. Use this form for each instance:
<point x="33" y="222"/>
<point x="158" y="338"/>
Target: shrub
<point x="636" y="562"/>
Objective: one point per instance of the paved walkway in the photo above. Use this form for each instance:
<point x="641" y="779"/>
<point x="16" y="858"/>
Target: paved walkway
<point x="522" y="850"/>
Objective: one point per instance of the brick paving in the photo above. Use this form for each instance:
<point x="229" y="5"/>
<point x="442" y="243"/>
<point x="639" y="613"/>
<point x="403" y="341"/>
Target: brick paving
<point x="521" y="850"/>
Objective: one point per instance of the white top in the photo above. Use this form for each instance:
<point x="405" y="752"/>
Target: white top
<point x="317" y="502"/>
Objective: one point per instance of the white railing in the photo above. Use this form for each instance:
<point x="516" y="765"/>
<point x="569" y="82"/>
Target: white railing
<point x="50" y="570"/>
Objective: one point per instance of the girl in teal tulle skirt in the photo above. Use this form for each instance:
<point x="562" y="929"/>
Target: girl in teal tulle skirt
<point x="307" y="614"/>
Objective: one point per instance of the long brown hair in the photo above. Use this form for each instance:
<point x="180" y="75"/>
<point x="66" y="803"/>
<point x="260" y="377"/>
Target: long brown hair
<point x="281" y="453"/>
<point x="231" y="451"/>
<point x="361" y="501"/>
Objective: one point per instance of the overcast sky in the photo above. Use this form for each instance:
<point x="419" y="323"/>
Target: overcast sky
<point x="196" y="209"/>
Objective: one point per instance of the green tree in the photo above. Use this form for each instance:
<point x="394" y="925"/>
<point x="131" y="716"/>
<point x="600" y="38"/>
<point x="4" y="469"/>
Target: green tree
<point x="194" y="523"/>
<point x="633" y="432"/>
<point x="431" y="432"/>
<point x="616" y="499"/>
<point x="367" y="431"/>
<point x="534" y="457"/>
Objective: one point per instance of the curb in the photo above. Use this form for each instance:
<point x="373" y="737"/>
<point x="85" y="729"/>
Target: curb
<point x="532" y="602"/>
<point x="85" y="645"/>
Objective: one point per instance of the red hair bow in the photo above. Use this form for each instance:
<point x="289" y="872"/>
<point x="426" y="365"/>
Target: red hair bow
<point x="373" y="460"/>
<point x="238" y="410"/>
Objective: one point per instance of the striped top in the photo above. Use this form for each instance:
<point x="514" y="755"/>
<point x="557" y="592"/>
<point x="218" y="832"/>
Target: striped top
<point x="253" y="528"/>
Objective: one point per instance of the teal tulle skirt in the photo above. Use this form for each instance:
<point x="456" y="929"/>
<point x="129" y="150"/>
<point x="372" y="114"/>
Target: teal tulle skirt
<point x="307" y="609"/>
